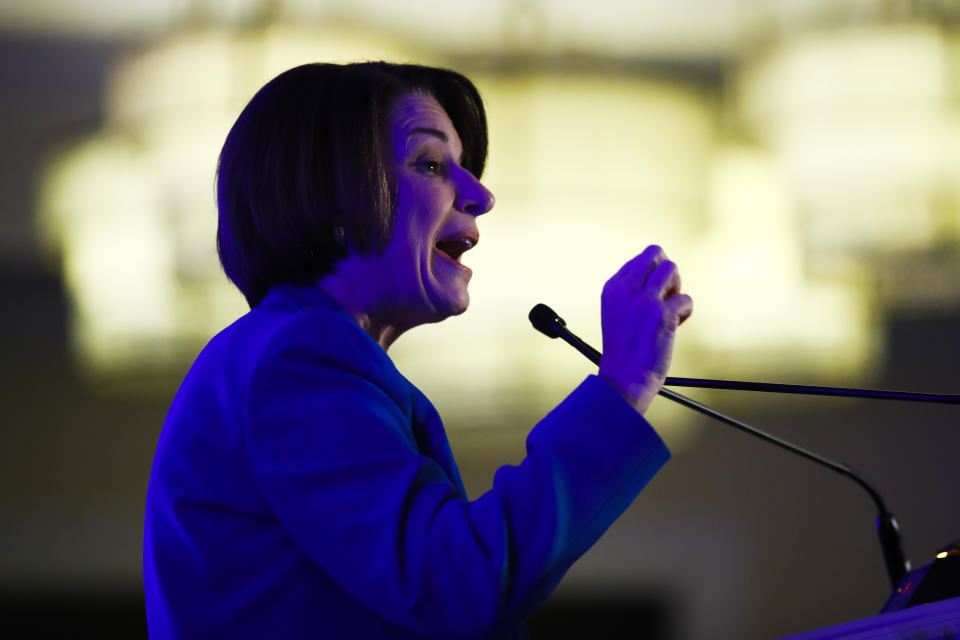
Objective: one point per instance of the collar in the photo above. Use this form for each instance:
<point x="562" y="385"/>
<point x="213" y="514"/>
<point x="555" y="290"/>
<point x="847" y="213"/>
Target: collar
<point x="304" y="297"/>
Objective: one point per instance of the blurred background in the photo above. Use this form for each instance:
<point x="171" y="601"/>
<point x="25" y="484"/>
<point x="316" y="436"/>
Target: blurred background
<point x="800" y="160"/>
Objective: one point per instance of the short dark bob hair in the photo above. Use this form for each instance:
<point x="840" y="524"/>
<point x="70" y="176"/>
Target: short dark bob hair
<point x="306" y="173"/>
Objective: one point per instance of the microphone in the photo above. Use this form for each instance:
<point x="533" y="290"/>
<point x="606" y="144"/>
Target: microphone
<point x="547" y="321"/>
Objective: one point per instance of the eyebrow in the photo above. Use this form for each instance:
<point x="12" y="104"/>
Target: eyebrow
<point x="435" y="133"/>
<point x="432" y="132"/>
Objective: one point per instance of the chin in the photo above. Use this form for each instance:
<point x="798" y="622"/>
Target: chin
<point x="460" y="308"/>
<point x="453" y="305"/>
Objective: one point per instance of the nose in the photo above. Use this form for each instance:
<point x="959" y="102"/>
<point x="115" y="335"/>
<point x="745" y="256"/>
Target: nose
<point x="472" y="196"/>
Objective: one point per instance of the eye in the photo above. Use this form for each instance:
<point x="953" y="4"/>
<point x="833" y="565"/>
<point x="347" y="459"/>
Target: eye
<point x="430" y="166"/>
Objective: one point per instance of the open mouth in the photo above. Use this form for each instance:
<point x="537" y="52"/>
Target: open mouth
<point x="455" y="247"/>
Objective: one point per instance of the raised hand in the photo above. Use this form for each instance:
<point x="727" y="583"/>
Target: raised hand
<point x="641" y="308"/>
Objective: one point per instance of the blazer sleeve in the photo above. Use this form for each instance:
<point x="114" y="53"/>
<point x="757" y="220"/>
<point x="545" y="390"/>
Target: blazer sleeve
<point x="332" y="447"/>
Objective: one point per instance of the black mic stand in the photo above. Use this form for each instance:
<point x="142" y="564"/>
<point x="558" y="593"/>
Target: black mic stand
<point x="544" y="317"/>
<point x="545" y="320"/>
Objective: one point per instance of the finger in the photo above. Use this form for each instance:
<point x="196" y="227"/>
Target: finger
<point x="665" y="280"/>
<point x="681" y="305"/>
<point x="636" y="271"/>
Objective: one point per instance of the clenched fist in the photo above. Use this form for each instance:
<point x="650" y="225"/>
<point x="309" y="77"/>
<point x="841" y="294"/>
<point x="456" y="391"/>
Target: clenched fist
<point x="641" y="308"/>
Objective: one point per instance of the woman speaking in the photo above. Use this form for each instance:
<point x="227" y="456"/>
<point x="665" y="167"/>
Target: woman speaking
<point x="302" y="487"/>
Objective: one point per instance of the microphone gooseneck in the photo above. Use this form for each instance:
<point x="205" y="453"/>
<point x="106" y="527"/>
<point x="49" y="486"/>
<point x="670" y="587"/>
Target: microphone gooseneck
<point x="548" y="322"/>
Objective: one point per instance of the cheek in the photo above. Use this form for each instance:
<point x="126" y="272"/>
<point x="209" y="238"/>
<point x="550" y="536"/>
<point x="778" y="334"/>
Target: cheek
<point x="419" y="214"/>
<point x="405" y="217"/>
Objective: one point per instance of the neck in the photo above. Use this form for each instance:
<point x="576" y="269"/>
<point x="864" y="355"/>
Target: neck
<point x="362" y="302"/>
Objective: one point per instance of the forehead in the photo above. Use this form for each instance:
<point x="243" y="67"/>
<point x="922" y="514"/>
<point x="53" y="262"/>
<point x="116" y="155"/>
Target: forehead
<point x="416" y="112"/>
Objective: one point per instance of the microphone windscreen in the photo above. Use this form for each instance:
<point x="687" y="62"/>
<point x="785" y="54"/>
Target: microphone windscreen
<point x="545" y="320"/>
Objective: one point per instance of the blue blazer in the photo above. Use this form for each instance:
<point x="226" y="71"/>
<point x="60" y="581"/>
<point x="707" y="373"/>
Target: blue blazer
<point x="303" y="488"/>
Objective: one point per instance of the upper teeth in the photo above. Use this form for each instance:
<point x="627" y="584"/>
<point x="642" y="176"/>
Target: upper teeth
<point x="461" y="243"/>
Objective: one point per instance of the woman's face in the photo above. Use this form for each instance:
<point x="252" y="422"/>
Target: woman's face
<point x="437" y="204"/>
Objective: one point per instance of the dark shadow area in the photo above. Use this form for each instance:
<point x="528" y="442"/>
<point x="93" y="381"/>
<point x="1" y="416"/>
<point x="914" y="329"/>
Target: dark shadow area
<point x="33" y="322"/>
<point x="645" y="617"/>
<point x="74" y="614"/>
<point x="923" y="352"/>
<point x="120" y="614"/>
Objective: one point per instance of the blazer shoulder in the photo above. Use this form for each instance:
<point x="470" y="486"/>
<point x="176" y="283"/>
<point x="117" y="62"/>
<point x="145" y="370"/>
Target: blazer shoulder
<point x="320" y="338"/>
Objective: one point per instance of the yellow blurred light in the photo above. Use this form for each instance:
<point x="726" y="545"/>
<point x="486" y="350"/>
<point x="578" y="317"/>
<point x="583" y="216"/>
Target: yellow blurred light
<point x="131" y="210"/>
<point x="860" y="120"/>
<point x="942" y="554"/>
<point x="588" y="169"/>
<point x="755" y="301"/>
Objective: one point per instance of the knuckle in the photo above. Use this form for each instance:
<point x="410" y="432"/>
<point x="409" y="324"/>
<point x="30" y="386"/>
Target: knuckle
<point x="670" y="267"/>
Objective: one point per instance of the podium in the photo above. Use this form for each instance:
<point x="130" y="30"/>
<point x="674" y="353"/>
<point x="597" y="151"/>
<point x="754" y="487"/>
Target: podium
<point x="934" y="621"/>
